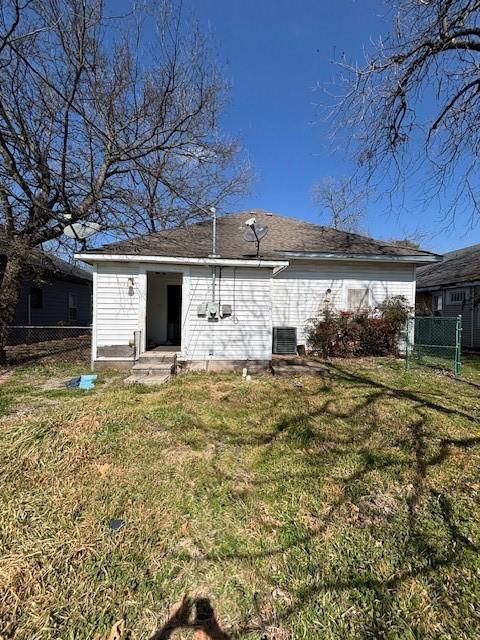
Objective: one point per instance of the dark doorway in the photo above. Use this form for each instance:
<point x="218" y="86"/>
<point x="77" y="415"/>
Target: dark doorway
<point x="174" y="313"/>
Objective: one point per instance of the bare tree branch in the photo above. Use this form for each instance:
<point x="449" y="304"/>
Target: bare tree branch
<point x="103" y="122"/>
<point x="340" y="205"/>
<point x="414" y="104"/>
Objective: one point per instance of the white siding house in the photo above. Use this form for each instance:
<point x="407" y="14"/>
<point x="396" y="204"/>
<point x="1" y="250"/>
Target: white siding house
<point x="244" y="335"/>
<point x="301" y="291"/>
<point x="143" y="299"/>
<point x="120" y="305"/>
<point x="116" y="305"/>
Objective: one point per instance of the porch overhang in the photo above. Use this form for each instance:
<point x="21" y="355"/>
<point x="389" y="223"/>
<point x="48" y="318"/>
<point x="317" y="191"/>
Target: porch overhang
<point x="92" y="258"/>
<point x="362" y="257"/>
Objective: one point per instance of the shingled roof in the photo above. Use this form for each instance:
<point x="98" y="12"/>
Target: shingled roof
<point x="42" y="264"/>
<point x="462" y="265"/>
<point x="285" y="236"/>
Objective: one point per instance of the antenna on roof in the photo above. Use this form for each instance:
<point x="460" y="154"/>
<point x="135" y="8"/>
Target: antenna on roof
<point x="255" y="232"/>
<point x="213" y="213"/>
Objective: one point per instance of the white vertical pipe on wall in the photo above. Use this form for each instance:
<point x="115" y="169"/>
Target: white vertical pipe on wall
<point x="142" y="292"/>
<point x="94" y="316"/>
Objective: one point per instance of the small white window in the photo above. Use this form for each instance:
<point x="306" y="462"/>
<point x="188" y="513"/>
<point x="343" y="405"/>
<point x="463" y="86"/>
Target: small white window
<point x="456" y="297"/>
<point x="72" y="306"/>
<point x="358" y="299"/>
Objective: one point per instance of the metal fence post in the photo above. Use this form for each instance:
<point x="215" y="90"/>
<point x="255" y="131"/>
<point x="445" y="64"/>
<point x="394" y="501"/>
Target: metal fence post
<point x="458" y="346"/>
<point x="407" y="344"/>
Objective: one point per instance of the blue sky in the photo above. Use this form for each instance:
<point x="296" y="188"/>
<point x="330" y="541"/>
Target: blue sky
<point x="275" y="52"/>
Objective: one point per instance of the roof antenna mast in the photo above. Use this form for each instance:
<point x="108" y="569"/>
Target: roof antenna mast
<point x="213" y="213"/>
<point x="255" y="232"/>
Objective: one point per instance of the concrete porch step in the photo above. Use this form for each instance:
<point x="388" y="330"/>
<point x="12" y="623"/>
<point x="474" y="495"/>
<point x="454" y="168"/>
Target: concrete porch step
<point x="152" y="357"/>
<point x="298" y="371"/>
<point x="287" y="360"/>
<point x="149" y="380"/>
<point x="151" y="367"/>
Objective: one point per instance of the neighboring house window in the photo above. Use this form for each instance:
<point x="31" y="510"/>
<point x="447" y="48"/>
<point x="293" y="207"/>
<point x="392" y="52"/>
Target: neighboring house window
<point x="358" y="299"/>
<point x="456" y="297"/>
<point x="437" y="303"/>
<point x="36" y="298"/>
<point x="72" y="306"/>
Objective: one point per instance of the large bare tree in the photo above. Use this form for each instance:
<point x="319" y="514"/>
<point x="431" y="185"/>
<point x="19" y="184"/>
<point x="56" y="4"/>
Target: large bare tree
<point x="103" y="118"/>
<point x="412" y="108"/>
<point x="340" y="204"/>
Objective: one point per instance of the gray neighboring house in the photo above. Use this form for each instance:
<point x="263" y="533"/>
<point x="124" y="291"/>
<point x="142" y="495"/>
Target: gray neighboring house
<point x="452" y="288"/>
<point x="53" y="292"/>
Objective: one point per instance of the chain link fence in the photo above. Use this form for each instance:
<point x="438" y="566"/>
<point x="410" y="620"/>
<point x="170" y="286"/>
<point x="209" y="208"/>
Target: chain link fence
<point x="48" y="344"/>
<point x="434" y="341"/>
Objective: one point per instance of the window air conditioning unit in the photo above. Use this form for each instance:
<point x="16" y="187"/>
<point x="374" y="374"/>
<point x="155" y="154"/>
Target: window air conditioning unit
<point x="285" y="340"/>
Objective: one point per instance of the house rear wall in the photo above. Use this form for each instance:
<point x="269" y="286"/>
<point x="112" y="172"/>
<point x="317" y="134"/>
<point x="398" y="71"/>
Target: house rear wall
<point x="246" y="334"/>
<point x="298" y="292"/>
<point x="469" y="310"/>
<point x="258" y="302"/>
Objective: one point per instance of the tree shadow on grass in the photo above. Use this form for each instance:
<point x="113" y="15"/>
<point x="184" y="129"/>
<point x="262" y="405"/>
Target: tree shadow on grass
<point x="296" y="427"/>
<point x="417" y="443"/>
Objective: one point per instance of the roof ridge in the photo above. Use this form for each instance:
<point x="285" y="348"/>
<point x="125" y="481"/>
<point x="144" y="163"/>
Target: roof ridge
<point x="287" y="234"/>
<point x="454" y="252"/>
<point x="329" y="228"/>
<point x="254" y="210"/>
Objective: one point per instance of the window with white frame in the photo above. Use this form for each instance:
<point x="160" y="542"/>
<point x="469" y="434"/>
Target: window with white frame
<point x="457" y="296"/>
<point x="72" y="306"/>
<point x="358" y="298"/>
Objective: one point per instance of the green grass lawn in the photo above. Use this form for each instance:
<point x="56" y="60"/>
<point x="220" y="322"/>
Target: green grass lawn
<point x="344" y="508"/>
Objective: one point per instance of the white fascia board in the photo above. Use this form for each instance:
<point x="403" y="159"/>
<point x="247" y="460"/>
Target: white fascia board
<point x="93" y="258"/>
<point x="364" y="257"/>
<point x="277" y="270"/>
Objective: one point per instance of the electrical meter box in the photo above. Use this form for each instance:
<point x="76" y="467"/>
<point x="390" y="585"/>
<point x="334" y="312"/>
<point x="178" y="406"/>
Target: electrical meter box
<point x="212" y="310"/>
<point x="202" y="310"/>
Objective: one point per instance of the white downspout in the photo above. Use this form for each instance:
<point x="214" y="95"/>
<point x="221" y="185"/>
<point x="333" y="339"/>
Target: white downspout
<point x="213" y="211"/>
<point x="213" y="283"/>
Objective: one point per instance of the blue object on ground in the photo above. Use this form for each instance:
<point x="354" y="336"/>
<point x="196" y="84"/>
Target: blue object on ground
<point x="74" y="382"/>
<point x="87" y="382"/>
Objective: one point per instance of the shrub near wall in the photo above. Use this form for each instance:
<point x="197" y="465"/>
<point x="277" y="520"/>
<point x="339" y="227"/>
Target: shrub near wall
<point x="367" y="332"/>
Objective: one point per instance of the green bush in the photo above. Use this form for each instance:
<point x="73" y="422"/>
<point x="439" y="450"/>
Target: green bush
<point x="367" y="332"/>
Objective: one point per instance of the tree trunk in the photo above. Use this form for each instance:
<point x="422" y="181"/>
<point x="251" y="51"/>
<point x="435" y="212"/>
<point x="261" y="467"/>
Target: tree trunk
<point x="9" y="295"/>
